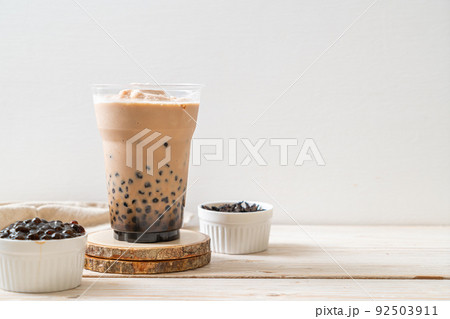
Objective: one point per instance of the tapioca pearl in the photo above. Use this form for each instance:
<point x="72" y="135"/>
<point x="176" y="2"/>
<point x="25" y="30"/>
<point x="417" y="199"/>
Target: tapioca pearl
<point x="139" y="175"/>
<point x="129" y="211"/>
<point x="158" y="190"/>
<point x="148" y="209"/>
<point x="179" y="187"/>
<point x="166" y="144"/>
<point x="176" y="177"/>
<point x="156" y="212"/>
<point x="157" y="223"/>
<point x="166" y="180"/>
<point x="166" y="209"/>
<point x="171" y="172"/>
<point x="123" y="216"/>
<point x="113" y="190"/>
<point x="172" y="193"/>
<point x="181" y="180"/>
<point x="125" y="204"/>
<point x="165" y="199"/>
<point x="110" y="176"/>
<point x="141" y="192"/>
<point x="175" y="211"/>
<point x="114" y="218"/>
<point x="130" y="181"/>
<point x="157" y="181"/>
<point x="120" y="189"/>
<point x="117" y="212"/>
<point x="134" y="219"/>
<point x="155" y="200"/>
<point x="144" y="201"/>
<point x="173" y="201"/>
<point x="117" y="204"/>
<point x="172" y="223"/>
<point x="122" y="182"/>
<point x="142" y="224"/>
<point x="167" y="165"/>
<point x="133" y="201"/>
<point x="126" y="188"/>
<point x="149" y="193"/>
<point x="117" y="174"/>
<point x="160" y="173"/>
<point x="138" y="210"/>
<point x="147" y="185"/>
<point x="178" y="205"/>
<point x="119" y="219"/>
<point x="126" y="196"/>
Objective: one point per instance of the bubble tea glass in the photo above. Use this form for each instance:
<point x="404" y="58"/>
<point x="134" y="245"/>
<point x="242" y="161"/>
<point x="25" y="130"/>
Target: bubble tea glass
<point x="146" y="132"/>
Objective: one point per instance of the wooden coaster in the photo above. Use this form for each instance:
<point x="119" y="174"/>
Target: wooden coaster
<point x="145" y="267"/>
<point x="103" y="245"/>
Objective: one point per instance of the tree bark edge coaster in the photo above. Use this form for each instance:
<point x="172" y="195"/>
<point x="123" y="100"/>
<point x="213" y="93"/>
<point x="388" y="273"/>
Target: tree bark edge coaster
<point x="145" y="267"/>
<point x="106" y="254"/>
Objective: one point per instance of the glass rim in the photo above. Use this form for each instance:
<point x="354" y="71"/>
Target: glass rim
<point x="163" y="86"/>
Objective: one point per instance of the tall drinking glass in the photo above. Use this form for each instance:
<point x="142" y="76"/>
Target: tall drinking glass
<point x="146" y="132"/>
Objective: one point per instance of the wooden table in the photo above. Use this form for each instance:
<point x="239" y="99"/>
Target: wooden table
<point x="302" y="263"/>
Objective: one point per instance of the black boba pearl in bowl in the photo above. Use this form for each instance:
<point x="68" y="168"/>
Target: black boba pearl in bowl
<point x="40" y="229"/>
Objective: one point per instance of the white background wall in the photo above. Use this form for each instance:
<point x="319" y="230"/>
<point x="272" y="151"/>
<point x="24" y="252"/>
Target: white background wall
<point x="376" y="104"/>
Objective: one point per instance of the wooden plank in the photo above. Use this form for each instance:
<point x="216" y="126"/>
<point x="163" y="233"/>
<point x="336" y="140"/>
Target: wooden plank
<point x="245" y="289"/>
<point x="365" y="252"/>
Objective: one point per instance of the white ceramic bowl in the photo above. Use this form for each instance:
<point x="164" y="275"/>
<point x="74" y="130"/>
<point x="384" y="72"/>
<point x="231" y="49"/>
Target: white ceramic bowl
<point x="41" y="265"/>
<point x="236" y="233"/>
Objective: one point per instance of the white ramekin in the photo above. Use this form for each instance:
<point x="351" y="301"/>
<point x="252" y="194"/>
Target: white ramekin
<point x="236" y="233"/>
<point x="41" y="266"/>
